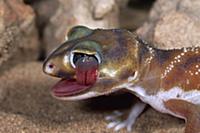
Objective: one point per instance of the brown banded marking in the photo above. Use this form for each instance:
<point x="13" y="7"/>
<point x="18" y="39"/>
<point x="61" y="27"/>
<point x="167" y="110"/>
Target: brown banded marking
<point x="182" y="70"/>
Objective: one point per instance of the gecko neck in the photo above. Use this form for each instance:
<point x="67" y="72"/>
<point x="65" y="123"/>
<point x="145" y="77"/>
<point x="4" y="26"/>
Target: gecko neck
<point x="146" y="53"/>
<point x="149" y="69"/>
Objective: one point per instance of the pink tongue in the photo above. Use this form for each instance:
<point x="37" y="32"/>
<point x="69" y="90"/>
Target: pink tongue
<point x="86" y="70"/>
<point x="86" y="75"/>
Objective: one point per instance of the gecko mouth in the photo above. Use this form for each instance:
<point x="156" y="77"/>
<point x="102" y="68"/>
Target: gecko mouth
<point x="86" y="68"/>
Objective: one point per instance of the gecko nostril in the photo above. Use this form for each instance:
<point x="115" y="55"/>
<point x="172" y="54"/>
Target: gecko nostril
<point x="51" y="66"/>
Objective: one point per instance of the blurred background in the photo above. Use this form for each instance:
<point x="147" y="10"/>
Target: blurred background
<point x="30" y="29"/>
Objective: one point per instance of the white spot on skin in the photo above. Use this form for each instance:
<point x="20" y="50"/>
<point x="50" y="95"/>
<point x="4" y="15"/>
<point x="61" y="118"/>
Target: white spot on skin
<point x="185" y="50"/>
<point x="187" y="81"/>
<point x="178" y="59"/>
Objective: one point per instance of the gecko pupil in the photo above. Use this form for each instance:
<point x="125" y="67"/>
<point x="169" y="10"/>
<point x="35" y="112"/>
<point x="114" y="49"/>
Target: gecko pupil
<point x="77" y="56"/>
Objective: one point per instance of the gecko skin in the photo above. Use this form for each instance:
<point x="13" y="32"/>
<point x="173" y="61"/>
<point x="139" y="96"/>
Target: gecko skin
<point x="98" y="62"/>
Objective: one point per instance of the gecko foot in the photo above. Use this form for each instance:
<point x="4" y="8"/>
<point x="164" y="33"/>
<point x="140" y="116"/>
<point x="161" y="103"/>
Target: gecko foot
<point x="116" y="123"/>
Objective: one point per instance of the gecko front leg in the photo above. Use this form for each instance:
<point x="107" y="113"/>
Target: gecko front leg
<point x="115" y="123"/>
<point x="187" y="110"/>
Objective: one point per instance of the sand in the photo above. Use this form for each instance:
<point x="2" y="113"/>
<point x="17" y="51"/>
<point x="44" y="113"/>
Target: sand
<point x="28" y="107"/>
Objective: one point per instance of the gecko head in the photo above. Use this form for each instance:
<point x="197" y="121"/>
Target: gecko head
<point x="92" y="62"/>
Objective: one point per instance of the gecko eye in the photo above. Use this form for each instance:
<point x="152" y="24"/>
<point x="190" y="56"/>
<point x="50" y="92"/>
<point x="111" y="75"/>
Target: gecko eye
<point x="75" y="56"/>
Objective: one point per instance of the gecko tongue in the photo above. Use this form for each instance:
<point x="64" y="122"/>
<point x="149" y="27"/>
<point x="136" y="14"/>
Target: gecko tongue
<point x="86" y="70"/>
<point x="86" y="75"/>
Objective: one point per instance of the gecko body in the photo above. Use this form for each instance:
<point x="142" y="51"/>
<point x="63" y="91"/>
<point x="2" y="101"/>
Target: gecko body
<point x="98" y="62"/>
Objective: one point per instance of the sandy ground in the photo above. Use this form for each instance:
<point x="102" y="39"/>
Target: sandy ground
<point x="29" y="108"/>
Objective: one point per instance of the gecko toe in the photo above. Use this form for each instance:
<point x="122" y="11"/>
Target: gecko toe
<point x="115" y="115"/>
<point x="120" y="125"/>
<point x="113" y="124"/>
<point x="116" y="122"/>
<point x="129" y="127"/>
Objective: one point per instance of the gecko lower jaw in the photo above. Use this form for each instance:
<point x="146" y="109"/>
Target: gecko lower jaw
<point x="69" y="87"/>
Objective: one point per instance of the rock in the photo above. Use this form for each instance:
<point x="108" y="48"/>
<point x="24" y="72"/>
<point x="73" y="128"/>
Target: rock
<point x="131" y="19"/>
<point x="18" y="40"/>
<point x="177" y="30"/>
<point x="122" y="3"/>
<point x="133" y="13"/>
<point x="91" y="13"/>
<point x="173" y="24"/>
<point x="44" y="10"/>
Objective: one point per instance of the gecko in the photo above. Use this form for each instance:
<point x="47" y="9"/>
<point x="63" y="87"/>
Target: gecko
<point x="96" y="62"/>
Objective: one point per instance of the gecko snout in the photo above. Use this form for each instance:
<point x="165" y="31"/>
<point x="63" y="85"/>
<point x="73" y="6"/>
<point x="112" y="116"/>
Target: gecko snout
<point x="49" y="68"/>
